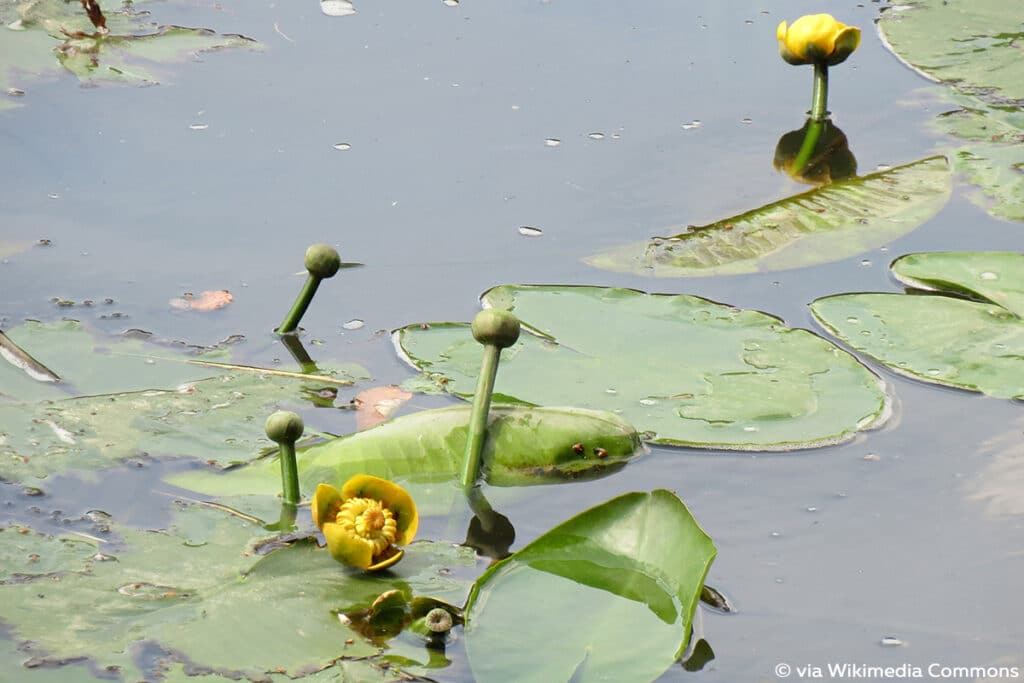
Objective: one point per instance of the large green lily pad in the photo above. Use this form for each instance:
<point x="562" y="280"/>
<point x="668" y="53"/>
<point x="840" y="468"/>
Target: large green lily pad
<point x="198" y="592"/>
<point x="974" y="343"/>
<point x="685" y="370"/>
<point x="39" y="37"/>
<point x="974" y="46"/>
<point x="607" y="595"/>
<point x="825" y="224"/>
<point x="122" y="398"/>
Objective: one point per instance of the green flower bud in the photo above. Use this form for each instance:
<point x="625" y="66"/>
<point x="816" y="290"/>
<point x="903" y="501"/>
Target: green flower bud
<point x="284" y="427"/>
<point x="322" y="261"/>
<point x="500" y="328"/>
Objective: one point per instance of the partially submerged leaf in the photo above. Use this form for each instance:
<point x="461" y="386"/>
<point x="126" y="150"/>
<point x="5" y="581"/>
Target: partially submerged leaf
<point x="209" y="300"/>
<point x="523" y="446"/>
<point x="686" y="370"/>
<point x="821" y="225"/>
<point x="378" y="404"/>
<point x="993" y="158"/>
<point x="614" y="589"/>
<point x="949" y="340"/>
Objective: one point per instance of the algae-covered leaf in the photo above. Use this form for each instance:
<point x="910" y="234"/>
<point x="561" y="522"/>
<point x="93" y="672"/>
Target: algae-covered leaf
<point x="686" y="370"/>
<point x="821" y="225"/>
<point x="199" y="593"/>
<point x="424" y="450"/>
<point x="607" y="595"/>
<point x="974" y="46"/>
<point x="948" y="340"/>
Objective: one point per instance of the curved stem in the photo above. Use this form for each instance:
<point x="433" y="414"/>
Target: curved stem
<point x="478" y="416"/>
<point x="819" y="101"/>
<point x="291" y="321"/>
<point x="289" y="475"/>
<point x="809" y="145"/>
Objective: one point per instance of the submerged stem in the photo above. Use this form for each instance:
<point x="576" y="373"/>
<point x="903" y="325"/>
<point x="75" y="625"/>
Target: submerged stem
<point x="809" y="144"/>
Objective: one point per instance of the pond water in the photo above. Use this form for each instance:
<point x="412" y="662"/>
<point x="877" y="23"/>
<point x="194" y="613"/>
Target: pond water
<point x="414" y="137"/>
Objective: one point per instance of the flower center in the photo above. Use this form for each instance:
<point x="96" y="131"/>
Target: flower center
<point x="369" y="520"/>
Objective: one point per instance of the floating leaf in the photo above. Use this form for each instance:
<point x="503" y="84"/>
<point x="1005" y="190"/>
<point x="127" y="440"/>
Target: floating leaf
<point x="209" y="300"/>
<point x="140" y="400"/>
<point x="687" y="370"/>
<point x="949" y="340"/>
<point x="523" y="446"/>
<point x="825" y="224"/>
<point x="40" y="37"/>
<point x="607" y="595"/>
<point x="973" y="46"/>
<point x="207" y="600"/>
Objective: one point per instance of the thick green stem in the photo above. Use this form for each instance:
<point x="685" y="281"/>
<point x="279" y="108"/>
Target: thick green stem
<point x="819" y="101"/>
<point x="306" y="364"/>
<point x="478" y="417"/>
<point x="809" y="145"/>
<point x="286" y="522"/>
<point x="289" y="475"/>
<point x="291" y="321"/>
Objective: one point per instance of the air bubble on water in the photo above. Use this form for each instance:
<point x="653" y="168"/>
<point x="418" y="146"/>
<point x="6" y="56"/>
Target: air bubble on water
<point x="53" y="195"/>
<point x="811" y="508"/>
<point x="890" y="641"/>
<point x="648" y="402"/>
<point x="989" y="275"/>
<point x="865" y="263"/>
<point x="552" y="142"/>
<point x="530" y="231"/>
<point x="337" y="8"/>
<point x="746" y="121"/>
<point x="853" y="321"/>
<point x="596" y="136"/>
<point x="616" y="136"/>
<point x="343" y="146"/>
<point x="199" y="126"/>
<point x="353" y="324"/>
<point x="696" y="123"/>
<point x="451" y="3"/>
<point x="751" y="428"/>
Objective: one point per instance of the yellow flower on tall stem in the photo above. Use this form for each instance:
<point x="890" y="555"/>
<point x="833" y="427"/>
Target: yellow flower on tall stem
<point x="366" y="521"/>
<point x="820" y="40"/>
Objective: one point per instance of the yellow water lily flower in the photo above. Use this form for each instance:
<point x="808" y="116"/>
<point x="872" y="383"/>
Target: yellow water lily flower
<point x="365" y="521"/>
<point x="817" y="38"/>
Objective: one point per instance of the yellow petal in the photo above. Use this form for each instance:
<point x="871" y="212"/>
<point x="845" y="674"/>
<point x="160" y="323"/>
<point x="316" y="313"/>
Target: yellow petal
<point x="348" y="548"/>
<point x="387" y="561"/>
<point x="324" y="507"/>
<point x="392" y="496"/>
<point x="816" y="38"/>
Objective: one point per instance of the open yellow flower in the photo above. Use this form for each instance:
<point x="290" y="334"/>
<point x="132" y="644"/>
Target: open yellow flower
<point x="365" y="521"/>
<point x="817" y="38"/>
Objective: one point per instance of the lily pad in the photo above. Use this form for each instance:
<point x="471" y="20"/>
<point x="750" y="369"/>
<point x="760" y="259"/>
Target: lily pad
<point x="608" y="595"/>
<point x="975" y="344"/>
<point x="821" y="225"/>
<point x="973" y="46"/>
<point x="523" y="446"/>
<point x="208" y="600"/>
<point x="684" y="370"/>
<point x="42" y="36"/>
<point x="139" y="400"/>
<point x="993" y="159"/>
